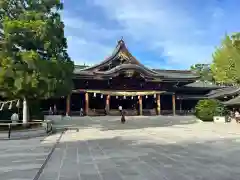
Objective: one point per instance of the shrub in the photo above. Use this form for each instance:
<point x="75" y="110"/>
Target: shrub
<point x="206" y="109"/>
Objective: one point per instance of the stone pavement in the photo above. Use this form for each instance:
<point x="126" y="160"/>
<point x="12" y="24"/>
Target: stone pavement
<point x="146" y="148"/>
<point x="21" y="159"/>
<point x="21" y="134"/>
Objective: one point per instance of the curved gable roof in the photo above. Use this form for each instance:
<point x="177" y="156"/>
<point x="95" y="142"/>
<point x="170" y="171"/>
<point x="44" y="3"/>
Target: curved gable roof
<point x="122" y="59"/>
<point x="120" y="50"/>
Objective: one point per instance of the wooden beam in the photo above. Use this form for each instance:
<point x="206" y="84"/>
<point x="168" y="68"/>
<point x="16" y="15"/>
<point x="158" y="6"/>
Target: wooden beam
<point x="174" y="104"/>
<point x="140" y="105"/>
<point x="68" y="104"/>
<point x="86" y="103"/>
<point x="107" y="107"/>
<point x="158" y="104"/>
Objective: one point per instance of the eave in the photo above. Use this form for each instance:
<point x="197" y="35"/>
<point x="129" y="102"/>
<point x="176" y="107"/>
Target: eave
<point x="122" y="61"/>
<point x="233" y="102"/>
<point x="223" y="92"/>
<point x="145" y="72"/>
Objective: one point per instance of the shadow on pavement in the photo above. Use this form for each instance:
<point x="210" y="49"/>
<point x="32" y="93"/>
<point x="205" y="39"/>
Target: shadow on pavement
<point x="113" y="123"/>
<point x="119" y="158"/>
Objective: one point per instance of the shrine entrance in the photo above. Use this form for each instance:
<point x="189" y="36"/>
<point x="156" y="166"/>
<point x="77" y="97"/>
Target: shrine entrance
<point x="102" y="102"/>
<point x="128" y="103"/>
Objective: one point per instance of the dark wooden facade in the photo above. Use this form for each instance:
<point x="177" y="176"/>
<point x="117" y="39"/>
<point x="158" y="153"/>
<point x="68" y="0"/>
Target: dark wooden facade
<point x="122" y="80"/>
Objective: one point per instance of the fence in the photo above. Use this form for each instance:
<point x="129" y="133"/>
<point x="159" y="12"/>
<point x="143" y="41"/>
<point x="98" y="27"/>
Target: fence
<point x="47" y="126"/>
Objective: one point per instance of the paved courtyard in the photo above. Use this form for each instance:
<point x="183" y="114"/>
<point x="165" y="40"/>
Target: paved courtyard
<point x="147" y="148"/>
<point x="22" y="159"/>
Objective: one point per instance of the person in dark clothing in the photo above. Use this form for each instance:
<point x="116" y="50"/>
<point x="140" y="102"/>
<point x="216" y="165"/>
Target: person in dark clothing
<point x="123" y="120"/>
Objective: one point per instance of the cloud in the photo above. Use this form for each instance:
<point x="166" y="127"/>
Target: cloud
<point x="161" y="24"/>
<point x="85" y="40"/>
<point x="88" y="30"/>
<point x="172" y="33"/>
<point x="87" y="52"/>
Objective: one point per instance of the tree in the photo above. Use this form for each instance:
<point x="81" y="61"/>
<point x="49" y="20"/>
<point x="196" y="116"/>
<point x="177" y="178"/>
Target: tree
<point x="208" y="108"/>
<point x="226" y="61"/>
<point x="34" y="60"/>
<point x="204" y="71"/>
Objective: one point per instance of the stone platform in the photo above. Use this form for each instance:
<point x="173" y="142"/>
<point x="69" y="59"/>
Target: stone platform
<point x="149" y="148"/>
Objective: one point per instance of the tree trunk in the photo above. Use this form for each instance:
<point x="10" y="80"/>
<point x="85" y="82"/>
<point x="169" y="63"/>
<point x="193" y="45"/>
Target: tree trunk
<point x="25" y="111"/>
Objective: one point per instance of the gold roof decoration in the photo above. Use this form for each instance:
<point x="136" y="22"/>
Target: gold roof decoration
<point x="123" y="56"/>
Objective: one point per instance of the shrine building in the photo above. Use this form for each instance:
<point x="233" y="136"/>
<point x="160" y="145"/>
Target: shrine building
<point x="121" y="79"/>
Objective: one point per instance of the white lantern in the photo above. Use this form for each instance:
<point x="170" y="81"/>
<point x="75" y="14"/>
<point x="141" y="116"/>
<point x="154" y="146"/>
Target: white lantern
<point x="146" y="96"/>
<point x="116" y="97"/>
<point x="94" y="94"/>
<point x="154" y="95"/>
<point x="132" y="97"/>
<point x="10" y="106"/>
<point x="124" y="97"/>
<point x="101" y="96"/>
<point x="2" y="106"/>
<point x="18" y="104"/>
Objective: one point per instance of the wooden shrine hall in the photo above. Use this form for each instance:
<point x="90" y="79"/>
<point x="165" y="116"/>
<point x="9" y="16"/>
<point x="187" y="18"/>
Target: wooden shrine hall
<point x="122" y="80"/>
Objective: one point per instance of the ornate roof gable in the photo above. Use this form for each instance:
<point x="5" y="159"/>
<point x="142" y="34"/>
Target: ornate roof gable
<point x="122" y="61"/>
<point x="120" y="55"/>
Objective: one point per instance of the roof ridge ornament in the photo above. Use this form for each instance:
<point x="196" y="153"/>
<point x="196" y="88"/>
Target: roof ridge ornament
<point x="121" y="41"/>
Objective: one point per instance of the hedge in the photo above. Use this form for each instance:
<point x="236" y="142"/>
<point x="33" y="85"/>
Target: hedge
<point x="206" y="109"/>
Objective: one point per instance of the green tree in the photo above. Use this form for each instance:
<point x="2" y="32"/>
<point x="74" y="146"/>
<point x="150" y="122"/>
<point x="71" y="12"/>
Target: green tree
<point x="207" y="108"/>
<point x="226" y="61"/>
<point x="204" y="71"/>
<point x="34" y="61"/>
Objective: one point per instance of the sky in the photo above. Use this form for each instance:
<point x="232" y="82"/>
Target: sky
<point x="164" y="34"/>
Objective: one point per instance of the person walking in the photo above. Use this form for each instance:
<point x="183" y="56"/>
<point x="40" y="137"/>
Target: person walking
<point x="54" y="109"/>
<point x="14" y="118"/>
<point x="123" y="120"/>
<point x="81" y="112"/>
<point x="50" y="111"/>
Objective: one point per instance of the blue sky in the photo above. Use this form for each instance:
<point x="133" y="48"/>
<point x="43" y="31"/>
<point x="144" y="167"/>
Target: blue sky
<point x="166" y="34"/>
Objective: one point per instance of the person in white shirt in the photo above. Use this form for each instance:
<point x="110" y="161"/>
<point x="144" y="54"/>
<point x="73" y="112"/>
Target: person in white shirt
<point x="120" y="108"/>
<point x="237" y="116"/>
<point x="14" y="118"/>
<point x="122" y="114"/>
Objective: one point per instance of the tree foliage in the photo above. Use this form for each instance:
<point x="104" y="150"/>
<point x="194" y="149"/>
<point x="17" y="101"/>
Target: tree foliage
<point x="203" y="71"/>
<point x="206" y="109"/>
<point x="33" y="57"/>
<point x="226" y="61"/>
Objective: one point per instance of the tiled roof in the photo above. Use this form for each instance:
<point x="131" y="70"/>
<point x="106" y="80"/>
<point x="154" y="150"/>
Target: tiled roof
<point x="188" y="96"/>
<point x="234" y="101"/>
<point x="176" y="73"/>
<point x="203" y="84"/>
<point x="122" y="53"/>
<point x="222" y="92"/>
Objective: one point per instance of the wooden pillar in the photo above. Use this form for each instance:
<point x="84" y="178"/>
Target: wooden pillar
<point x="86" y="103"/>
<point x="68" y="104"/>
<point x="140" y="105"/>
<point x="158" y="105"/>
<point x="107" y="107"/>
<point x="180" y="101"/>
<point x="173" y="104"/>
